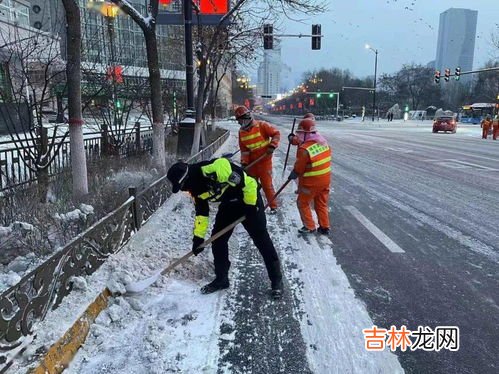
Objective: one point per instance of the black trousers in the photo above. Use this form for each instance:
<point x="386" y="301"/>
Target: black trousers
<point x="255" y="225"/>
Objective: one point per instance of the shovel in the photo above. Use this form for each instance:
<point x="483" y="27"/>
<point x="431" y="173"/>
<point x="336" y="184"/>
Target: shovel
<point x="141" y="285"/>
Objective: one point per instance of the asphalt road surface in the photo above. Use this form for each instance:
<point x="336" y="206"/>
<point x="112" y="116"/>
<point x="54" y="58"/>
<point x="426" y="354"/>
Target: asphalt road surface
<point x="415" y="227"/>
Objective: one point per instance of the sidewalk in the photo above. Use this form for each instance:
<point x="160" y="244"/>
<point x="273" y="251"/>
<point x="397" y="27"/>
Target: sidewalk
<point x="316" y="327"/>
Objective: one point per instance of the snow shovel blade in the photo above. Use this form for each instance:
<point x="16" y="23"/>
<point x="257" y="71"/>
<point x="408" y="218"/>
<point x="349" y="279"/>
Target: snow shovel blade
<point x="139" y="286"/>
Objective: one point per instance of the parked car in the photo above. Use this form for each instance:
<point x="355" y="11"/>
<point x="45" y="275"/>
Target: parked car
<point x="445" y="123"/>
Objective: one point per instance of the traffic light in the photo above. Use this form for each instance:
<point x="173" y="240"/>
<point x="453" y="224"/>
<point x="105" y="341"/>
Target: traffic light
<point x="318" y="95"/>
<point x="437" y="76"/>
<point x="119" y="104"/>
<point x="268" y="38"/>
<point x="331" y="95"/>
<point x="457" y="75"/>
<point x="447" y="74"/>
<point x="316" y="37"/>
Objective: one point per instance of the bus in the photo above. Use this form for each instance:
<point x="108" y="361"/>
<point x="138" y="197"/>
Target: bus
<point x="474" y="113"/>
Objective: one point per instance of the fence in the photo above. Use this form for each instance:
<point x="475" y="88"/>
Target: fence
<point x="27" y="302"/>
<point x="17" y="167"/>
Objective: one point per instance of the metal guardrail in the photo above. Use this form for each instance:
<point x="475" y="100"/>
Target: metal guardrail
<point x="44" y="288"/>
<point x="14" y="172"/>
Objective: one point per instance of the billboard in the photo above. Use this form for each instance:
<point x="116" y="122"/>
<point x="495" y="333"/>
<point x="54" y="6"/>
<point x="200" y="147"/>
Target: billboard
<point x="207" y="12"/>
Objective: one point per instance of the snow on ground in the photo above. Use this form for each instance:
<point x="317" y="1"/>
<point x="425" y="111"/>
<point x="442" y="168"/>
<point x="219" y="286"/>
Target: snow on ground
<point x="171" y="327"/>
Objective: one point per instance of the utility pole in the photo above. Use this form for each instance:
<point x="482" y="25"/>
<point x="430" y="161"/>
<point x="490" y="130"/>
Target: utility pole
<point x="187" y="125"/>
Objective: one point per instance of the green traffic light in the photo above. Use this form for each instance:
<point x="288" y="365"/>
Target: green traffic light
<point x="331" y="95"/>
<point x="318" y="95"/>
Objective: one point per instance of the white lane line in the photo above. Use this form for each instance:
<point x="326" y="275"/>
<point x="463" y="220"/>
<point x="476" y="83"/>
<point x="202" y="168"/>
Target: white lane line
<point x="458" y="164"/>
<point x="380" y="235"/>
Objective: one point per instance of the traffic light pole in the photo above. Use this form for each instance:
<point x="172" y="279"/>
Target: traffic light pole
<point x="375" y="72"/>
<point x="328" y="93"/>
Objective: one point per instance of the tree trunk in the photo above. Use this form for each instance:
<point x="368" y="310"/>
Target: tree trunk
<point x="158" y="146"/>
<point x="73" y="76"/>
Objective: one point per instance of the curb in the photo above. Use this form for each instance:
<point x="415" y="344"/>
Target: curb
<point x="61" y="353"/>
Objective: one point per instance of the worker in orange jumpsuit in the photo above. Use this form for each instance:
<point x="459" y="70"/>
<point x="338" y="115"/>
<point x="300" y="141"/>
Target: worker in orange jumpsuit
<point x="257" y="139"/>
<point x="313" y="170"/>
<point x="495" y="126"/>
<point x="486" y="125"/>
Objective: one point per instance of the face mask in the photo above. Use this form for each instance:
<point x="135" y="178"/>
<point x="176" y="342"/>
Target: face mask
<point x="301" y="136"/>
<point x="245" y="123"/>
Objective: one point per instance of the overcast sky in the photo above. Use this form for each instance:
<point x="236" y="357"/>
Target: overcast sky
<point x="403" y="31"/>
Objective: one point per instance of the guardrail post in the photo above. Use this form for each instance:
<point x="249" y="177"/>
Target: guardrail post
<point x="132" y="191"/>
<point x="137" y="136"/>
<point x="105" y="140"/>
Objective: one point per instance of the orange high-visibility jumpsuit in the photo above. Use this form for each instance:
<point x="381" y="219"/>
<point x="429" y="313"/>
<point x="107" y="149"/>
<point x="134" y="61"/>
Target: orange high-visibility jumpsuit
<point x="255" y="142"/>
<point x="485" y="124"/>
<point x="495" y="127"/>
<point x="313" y="165"/>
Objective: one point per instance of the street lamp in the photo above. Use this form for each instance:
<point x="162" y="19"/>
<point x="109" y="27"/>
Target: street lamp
<point x="375" y="71"/>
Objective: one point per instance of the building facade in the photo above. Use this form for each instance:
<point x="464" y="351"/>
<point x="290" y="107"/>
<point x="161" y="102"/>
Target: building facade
<point x="114" y="39"/>
<point x="269" y="72"/>
<point x="456" y="40"/>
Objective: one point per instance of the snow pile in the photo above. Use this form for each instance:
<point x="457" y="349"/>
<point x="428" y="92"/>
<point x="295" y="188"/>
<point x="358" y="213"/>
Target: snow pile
<point x="77" y="215"/>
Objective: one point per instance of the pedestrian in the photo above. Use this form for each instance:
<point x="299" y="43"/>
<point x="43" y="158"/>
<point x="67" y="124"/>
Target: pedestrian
<point x="485" y="125"/>
<point x="313" y="170"/>
<point x="258" y="138"/>
<point x="495" y="127"/>
<point x="220" y="180"/>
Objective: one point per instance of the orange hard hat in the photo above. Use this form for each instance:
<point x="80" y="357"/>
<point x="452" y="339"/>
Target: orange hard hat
<point x="309" y="115"/>
<point x="307" y="125"/>
<point x="241" y="111"/>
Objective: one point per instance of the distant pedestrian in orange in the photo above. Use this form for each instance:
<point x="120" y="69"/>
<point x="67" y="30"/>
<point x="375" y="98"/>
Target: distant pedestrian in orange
<point x="485" y="125"/>
<point x="495" y="126"/>
<point x="313" y="170"/>
<point x="258" y="138"/>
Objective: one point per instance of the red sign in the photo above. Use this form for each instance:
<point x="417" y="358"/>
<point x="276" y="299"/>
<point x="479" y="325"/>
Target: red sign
<point x="312" y="102"/>
<point x="300" y="105"/>
<point x="213" y="6"/>
<point x="165" y="2"/>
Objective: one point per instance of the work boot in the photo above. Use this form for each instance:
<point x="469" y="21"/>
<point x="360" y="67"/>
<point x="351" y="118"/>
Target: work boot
<point x="323" y="230"/>
<point x="217" y="285"/>
<point x="275" y="275"/>
<point x="305" y="230"/>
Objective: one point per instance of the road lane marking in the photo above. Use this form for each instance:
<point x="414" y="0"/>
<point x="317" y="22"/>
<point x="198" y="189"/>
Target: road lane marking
<point x="395" y="149"/>
<point x="380" y="235"/>
<point x="458" y="164"/>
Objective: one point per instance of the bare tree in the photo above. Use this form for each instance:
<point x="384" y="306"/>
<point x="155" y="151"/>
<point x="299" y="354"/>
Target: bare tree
<point x="35" y="70"/>
<point x="148" y="25"/>
<point x="73" y="77"/>
<point x="246" y="19"/>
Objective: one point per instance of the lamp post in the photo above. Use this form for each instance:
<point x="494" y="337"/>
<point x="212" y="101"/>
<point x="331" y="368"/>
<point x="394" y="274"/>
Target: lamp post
<point x="110" y="11"/>
<point x="375" y="71"/>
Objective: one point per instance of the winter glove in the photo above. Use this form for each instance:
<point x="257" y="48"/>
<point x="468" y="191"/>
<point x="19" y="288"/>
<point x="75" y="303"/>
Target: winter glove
<point x="196" y="242"/>
<point x="270" y="149"/>
<point x="291" y="137"/>
<point x="250" y="210"/>
<point x="293" y="175"/>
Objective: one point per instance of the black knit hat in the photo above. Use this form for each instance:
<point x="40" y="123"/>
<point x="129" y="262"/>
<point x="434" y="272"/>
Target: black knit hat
<point x="177" y="174"/>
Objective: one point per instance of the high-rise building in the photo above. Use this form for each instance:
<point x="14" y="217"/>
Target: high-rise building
<point x="269" y="71"/>
<point x="456" y="40"/>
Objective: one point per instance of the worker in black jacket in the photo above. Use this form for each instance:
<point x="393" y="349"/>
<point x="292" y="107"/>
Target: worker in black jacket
<point x="221" y="181"/>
